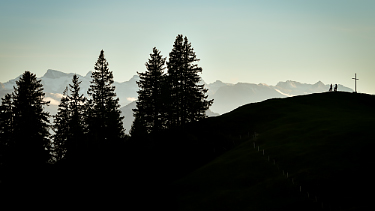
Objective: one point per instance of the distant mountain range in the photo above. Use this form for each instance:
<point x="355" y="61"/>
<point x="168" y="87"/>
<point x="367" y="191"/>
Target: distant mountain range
<point x="226" y="96"/>
<point x="230" y="96"/>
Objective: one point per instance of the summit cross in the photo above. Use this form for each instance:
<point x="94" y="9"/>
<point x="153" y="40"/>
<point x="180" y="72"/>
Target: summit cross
<point x="355" y="82"/>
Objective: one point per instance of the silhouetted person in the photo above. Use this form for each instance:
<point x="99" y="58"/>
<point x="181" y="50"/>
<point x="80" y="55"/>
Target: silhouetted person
<point x="330" y="88"/>
<point x="335" y="88"/>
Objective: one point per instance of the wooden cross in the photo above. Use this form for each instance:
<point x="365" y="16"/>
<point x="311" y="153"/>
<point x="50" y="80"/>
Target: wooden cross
<point x="355" y="82"/>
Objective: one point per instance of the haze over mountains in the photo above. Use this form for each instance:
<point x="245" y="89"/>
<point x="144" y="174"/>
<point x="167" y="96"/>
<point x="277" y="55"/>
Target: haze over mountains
<point x="226" y="96"/>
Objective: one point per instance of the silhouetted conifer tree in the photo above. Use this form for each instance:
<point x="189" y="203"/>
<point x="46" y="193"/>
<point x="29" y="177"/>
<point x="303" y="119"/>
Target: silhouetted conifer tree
<point x="77" y="123"/>
<point x="105" y="125"/>
<point x="61" y="128"/>
<point x="6" y="125"/>
<point x="138" y="129"/>
<point x="187" y="100"/>
<point x="70" y="123"/>
<point x="150" y="113"/>
<point x="174" y="83"/>
<point x="30" y="136"/>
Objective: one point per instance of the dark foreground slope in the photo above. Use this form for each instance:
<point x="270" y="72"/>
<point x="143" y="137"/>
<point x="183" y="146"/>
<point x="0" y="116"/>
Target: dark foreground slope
<point x="322" y="143"/>
<point x="318" y="155"/>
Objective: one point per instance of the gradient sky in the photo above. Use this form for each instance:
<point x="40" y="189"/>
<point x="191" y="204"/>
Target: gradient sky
<point x="237" y="41"/>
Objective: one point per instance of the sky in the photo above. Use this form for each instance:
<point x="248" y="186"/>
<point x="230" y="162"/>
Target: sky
<point x="236" y="41"/>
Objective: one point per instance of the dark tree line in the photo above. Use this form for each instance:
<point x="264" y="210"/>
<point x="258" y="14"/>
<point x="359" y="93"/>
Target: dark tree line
<point x="171" y="99"/>
<point x="70" y="126"/>
<point x="89" y="127"/>
<point x="24" y="130"/>
<point x="81" y="126"/>
<point x="84" y="128"/>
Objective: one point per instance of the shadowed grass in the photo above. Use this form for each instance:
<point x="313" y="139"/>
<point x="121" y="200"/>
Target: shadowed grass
<point x="324" y="141"/>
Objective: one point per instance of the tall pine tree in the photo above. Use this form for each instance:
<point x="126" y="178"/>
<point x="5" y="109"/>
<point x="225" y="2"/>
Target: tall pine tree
<point x="31" y="141"/>
<point x="174" y="83"/>
<point x="61" y="128"/>
<point x="6" y="125"/>
<point x="149" y="114"/>
<point x="105" y="125"/>
<point x="69" y="122"/>
<point x="195" y="103"/>
<point x="187" y="97"/>
<point x="77" y="121"/>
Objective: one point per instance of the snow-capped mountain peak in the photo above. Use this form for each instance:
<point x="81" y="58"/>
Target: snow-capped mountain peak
<point x="226" y="96"/>
<point x="134" y="79"/>
<point x="88" y="75"/>
<point x="319" y="84"/>
<point x="54" y="74"/>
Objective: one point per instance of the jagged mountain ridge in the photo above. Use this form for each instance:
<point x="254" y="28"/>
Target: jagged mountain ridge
<point x="230" y="96"/>
<point x="226" y="96"/>
<point x="55" y="82"/>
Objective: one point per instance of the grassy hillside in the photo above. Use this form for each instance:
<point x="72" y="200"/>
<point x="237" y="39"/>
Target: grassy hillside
<point x="320" y="144"/>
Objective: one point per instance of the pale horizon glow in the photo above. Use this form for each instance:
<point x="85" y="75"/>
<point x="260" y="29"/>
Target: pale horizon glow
<point x="236" y="41"/>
